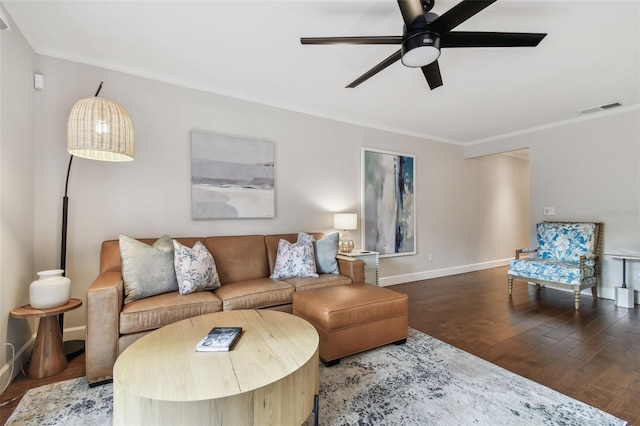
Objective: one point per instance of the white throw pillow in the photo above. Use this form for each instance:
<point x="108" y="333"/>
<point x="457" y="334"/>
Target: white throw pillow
<point x="147" y="270"/>
<point x="294" y="260"/>
<point x="195" y="268"/>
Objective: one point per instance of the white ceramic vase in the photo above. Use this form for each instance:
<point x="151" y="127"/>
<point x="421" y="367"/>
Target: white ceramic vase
<point x="50" y="290"/>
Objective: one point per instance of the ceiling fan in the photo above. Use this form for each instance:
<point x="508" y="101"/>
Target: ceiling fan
<point x="425" y="33"/>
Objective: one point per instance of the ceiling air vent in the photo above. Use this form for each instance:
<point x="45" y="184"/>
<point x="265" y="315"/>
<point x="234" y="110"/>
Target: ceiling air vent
<point x="600" y="108"/>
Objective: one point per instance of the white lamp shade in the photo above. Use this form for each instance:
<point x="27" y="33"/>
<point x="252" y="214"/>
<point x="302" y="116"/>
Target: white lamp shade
<point x="100" y="129"/>
<point x="345" y="221"/>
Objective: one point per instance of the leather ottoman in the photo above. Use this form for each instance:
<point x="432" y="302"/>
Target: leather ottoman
<point x="353" y="318"/>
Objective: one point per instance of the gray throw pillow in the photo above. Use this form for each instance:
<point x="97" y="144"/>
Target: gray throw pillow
<point x="326" y="250"/>
<point x="147" y="270"/>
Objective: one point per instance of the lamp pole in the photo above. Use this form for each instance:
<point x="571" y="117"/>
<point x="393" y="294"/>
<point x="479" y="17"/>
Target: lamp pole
<point x="72" y="348"/>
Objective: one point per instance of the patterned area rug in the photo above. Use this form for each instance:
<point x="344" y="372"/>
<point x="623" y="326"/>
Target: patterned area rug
<point x="423" y="382"/>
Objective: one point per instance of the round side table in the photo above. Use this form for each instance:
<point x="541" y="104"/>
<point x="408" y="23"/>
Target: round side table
<point x="625" y="296"/>
<point x="48" y="355"/>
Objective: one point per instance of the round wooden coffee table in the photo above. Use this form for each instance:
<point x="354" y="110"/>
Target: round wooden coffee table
<point x="269" y="377"/>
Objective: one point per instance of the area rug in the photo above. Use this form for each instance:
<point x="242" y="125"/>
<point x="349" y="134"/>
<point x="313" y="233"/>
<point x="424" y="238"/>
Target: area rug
<point x="423" y="382"/>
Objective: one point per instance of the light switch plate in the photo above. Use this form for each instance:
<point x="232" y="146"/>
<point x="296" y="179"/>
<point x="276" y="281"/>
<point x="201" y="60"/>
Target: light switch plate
<point x="549" y="211"/>
<point x="38" y="81"/>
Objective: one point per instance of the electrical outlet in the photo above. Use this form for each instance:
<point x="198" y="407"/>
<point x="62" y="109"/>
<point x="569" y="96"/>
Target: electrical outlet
<point x="430" y="257"/>
<point x="549" y="211"/>
<point x="637" y="275"/>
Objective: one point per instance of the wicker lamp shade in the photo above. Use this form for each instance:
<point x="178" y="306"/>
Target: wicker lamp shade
<point x="100" y="129"/>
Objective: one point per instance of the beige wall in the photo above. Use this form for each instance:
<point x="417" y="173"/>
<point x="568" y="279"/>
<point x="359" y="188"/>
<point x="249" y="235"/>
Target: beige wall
<point x="587" y="170"/>
<point x="16" y="190"/>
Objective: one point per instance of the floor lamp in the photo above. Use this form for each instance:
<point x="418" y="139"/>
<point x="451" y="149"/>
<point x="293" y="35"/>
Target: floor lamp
<point x="98" y="129"/>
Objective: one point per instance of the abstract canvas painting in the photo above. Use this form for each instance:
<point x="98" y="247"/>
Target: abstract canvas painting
<point x="388" y="202"/>
<point x="231" y="177"/>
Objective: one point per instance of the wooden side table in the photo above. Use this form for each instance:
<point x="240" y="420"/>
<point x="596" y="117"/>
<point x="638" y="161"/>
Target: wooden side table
<point x="48" y="355"/>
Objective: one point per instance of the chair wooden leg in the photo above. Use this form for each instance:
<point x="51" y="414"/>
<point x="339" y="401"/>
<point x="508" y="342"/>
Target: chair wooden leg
<point x="510" y="281"/>
<point x="577" y="298"/>
<point x="594" y="293"/>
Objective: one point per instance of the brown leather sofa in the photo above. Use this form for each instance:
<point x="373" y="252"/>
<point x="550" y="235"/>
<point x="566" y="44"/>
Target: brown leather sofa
<point x="244" y="264"/>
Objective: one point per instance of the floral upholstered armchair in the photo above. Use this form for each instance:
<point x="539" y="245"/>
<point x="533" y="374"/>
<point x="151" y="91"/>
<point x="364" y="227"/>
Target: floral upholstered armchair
<point x="567" y="257"/>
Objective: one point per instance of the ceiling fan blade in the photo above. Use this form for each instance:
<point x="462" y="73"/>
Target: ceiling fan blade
<point x="352" y="40"/>
<point x="432" y="74"/>
<point x="458" y="14"/>
<point x="412" y="12"/>
<point x="375" y="70"/>
<point x="490" y="39"/>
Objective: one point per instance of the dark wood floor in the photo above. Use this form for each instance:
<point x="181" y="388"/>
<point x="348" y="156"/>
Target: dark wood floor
<point x="21" y="384"/>
<point x="592" y="355"/>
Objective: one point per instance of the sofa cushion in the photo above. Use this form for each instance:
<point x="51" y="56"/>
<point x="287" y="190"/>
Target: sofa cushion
<point x="294" y="260"/>
<point x="195" y="268"/>
<point x="323" y="280"/>
<point x="342" y="306"/>
<point x="552" y="270"/>
<point x="147" y="270"/>
<point x="255" y="294"/>
<point x="239" y="258"/>
<point x="325" y="250"/>
<point x="110" y="251"/>
<point x="157" y="311"/>
<point x="565" y="241"/>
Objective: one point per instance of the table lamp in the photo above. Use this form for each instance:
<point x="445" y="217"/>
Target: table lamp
<point x="345" y="222"/>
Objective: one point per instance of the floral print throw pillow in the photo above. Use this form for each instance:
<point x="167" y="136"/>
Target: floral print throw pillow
<point x="195" y="268"/>
<point x="294" y="260"/>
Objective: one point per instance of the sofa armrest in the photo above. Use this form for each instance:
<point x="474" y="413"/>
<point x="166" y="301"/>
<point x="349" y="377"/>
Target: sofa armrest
<point x="104" y="303"/>
<point x="351" y="267"/>
<point x="525" y="251"/>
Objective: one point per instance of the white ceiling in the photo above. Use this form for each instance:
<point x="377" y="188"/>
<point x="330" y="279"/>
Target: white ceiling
<point x="251" y="50"/>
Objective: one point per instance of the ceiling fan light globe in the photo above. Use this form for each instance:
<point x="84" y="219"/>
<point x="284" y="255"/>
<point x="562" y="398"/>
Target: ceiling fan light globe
<point x="420" y="50"/>
<point x="420" y="56"/>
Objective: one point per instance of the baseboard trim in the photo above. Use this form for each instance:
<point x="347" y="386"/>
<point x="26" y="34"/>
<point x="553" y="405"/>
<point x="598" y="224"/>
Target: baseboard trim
<point x="75" y="333"/>
<point x="603" y="292"/>
<point x="19" y="359"/>
<point x="22" y="355"/>
<point x="443" y="272"/>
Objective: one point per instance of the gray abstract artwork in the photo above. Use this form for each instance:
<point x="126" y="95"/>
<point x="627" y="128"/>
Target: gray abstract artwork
<point x="388" y="202"/>
<point x="231" y="177"/>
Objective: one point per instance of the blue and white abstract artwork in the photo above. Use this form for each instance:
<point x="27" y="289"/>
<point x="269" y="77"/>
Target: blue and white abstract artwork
<point x="388" y="204"/>
<point x="231" y="177"/>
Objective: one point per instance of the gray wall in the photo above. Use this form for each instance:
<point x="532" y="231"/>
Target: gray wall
<point x="317" y="173"/>
<point x="587" y="170"/>
<point x="17" y="180"/>
<point x="462" y="205"/>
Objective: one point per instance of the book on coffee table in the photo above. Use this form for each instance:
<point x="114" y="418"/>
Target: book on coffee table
<point x="219" y="339"/>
